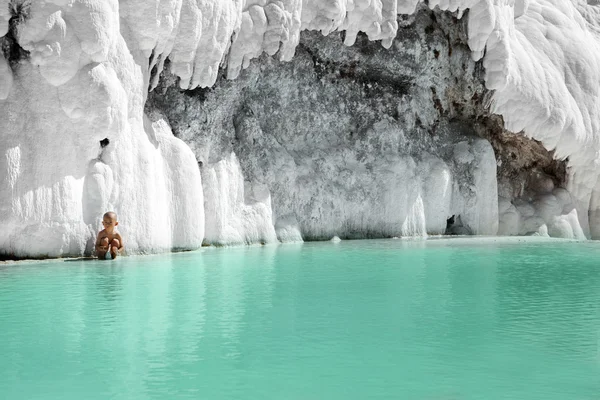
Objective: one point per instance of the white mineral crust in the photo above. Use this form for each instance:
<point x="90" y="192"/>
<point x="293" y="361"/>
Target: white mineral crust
<point x="89" y="69"/>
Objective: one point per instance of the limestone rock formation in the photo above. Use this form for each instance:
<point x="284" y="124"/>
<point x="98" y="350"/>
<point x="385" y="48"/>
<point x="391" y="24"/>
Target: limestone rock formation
<point x="283" y="132"/>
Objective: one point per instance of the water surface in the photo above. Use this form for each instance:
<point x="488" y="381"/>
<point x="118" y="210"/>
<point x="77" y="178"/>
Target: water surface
<point x="387" y="319"/>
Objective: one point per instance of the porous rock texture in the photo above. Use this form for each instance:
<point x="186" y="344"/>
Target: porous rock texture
<point x="354" y="142"/>
<point x="361" y="142"/>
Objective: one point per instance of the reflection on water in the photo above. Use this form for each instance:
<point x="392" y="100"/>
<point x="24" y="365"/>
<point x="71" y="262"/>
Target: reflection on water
<point x="427" y="319"/>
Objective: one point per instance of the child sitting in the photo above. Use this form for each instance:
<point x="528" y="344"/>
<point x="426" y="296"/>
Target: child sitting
<point x="109" y="241"/>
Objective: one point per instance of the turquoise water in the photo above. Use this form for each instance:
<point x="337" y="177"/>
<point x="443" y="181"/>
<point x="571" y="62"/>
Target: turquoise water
<point x="387" y="319"/>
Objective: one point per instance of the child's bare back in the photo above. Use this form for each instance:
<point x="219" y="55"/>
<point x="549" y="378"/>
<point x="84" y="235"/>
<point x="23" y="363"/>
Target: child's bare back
<point x="108" y="240"/>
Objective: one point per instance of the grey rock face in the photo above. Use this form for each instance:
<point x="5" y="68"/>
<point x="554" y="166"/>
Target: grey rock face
<point x="357" y="142"/>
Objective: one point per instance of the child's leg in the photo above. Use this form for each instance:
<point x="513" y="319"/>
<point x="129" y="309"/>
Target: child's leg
<point x="102" y="249"/>
<point x="114" y="248"/>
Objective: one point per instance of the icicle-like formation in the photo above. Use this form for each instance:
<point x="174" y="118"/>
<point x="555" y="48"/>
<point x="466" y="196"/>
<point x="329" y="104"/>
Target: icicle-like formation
<point x="199" y="36"/>
<point x="237" y="214"/>
<point x="78" y="86"/>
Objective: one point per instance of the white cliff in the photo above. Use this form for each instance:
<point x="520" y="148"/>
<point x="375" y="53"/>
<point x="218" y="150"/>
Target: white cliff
<point x="80" y="85"/>
<point x="74" y="72"/>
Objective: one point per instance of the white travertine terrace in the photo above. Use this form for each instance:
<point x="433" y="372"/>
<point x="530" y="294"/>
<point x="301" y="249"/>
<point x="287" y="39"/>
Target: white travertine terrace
<point x="89" y="69"/>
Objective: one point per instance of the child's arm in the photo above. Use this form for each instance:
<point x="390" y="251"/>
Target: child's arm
<point x="122" y="247"/>
<point x="98" y="239"/>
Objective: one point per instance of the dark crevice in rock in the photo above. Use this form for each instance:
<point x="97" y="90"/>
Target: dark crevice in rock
<point x="4" y="257"/>
<point x="455" y="226"/>
<point x="372" y="80"/>
<point x="198" y="93"/>
<point x="519" y="158"/>
<point x="154" y="61"/>
<point x="13" y="52"/>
